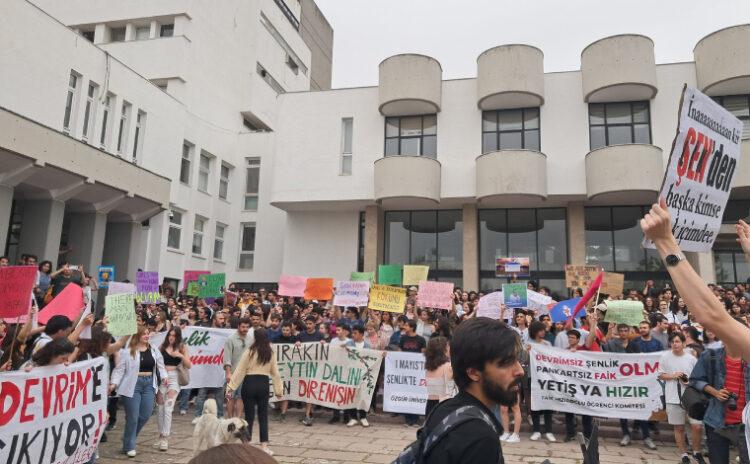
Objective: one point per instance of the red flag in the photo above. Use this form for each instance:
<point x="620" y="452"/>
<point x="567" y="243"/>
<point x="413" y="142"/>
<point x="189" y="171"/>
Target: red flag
<point x="68" y="303"/>
<point x="593" y="289"/>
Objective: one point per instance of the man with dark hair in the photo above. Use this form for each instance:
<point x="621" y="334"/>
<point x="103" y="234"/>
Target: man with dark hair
<point x="59" y="326"/>
<point x="393" y="342"/>
<point x="286" y="335"/>
<point x="65" y="275"/>
<point x="234" y="347"/>
<point x="410" y="341"/>
<point x="274" y="327"/>
<point x="484" y="357"/>
<point x="661" y="330"/>
<point x="311" y="333"/>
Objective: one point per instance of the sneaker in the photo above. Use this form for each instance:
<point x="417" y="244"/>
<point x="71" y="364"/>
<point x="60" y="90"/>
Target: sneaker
<point x="195" y="421"/>
<point x="333" y="420"/>
<point x="308" y="421"/>
<point x="699" y="458"/>
<point x="550" y="438"/>
<point x="625" y="440"/>
<point x="352" y="423"/>
<point x="267" y="450"/>
<point x="131" y="453"/>
<point x="183" y="412"/>
<point x="364" y="423"/>
<point x="513" y="438"/>
<point x="164" y="445"/>
<point x="649" y="443"/>
<point x="535" y="436"/>
<point x="685" y="459"/>
<point x="504" y="436"/>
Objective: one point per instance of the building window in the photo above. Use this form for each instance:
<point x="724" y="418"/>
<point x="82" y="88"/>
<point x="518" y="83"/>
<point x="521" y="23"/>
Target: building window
<point x="175" y="229"/>
<point x="736" y="210"/>
<point x="89" y="114"/>
<point x="224" y="181"/>
<point x="198" y="228"/>
<point x="117" y="34"/>
<point x="122" y="135"/>
<point x="252" y="184"/>
<point x="166" y="30"/>
<point x="738" y="105"/>
<point x="619" y="123"/>
<point x="247" y="247"/>
<point x="142" y="32"/>
<point x="187" y="158"/>
<point x="430" y="238"/>
<point x="106" y="109"/>
<point x="510" y="130"/>
<point x="219" y="241"/>
<point x="140" y="125"/>
<point x="204" y="171"/>
<point x="361" y="243"/>
<point x="537" y="234"/>
<point x="70" y="102"/>
<point x="346" y="146"/>
<point x="411" y="135"/>
<point x="266" y="76"/>
<point x="731" y="267"/>
<point x="292" y="59"/>
<point x="88" y="35"/>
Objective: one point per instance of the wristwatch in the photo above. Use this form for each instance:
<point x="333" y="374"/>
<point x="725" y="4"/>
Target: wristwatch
<point x="674" y="259"/>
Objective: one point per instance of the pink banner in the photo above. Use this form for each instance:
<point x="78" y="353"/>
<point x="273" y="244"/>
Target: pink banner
<point x="435" y="294"/>
<point x="68" y="303"/>
<point x="290" y="285"/>
<point x="192" y="276"/>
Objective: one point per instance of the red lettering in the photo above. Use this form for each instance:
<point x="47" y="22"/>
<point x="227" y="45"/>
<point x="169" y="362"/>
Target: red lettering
<point x="302" y="388"/>
<point x="349" y="395"/>
<point x="707" y="150"/>
<point x="682" y="164"/>
<point x="311" y="390"/>
<point x="82" y="384"/>
<point x="27" y="400"/>
<point x="8" y="391"/>
<point x="59" y="392"/>
<point x="47" y="384"/>
<point x="694" y="157"/>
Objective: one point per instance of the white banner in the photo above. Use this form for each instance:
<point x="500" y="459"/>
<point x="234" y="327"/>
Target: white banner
<point x="53" y="414"/>
<point x="490" y="305"/>
<point x="206" y="350"/>
<point x="404" y="385"/>
<point x="704" y="159"/>
<point x="614" y="385"/>
<point x="538" y="303"/>
<point x="352" y="293"/>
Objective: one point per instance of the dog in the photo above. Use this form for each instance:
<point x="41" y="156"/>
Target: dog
<point x="211" y="431"/>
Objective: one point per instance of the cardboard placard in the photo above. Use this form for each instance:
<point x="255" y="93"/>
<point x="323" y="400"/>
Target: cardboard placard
<point x="387" y="298"/>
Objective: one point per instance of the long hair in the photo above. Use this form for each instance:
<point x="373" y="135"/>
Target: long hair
<point x="434" y="354"/>
<point x="96" y="346"/>
<point x="177" y="339"/>
<point x="135" y="339"/>
<point x="443" y="327"/>
<point x="51" y="350"/>
<point x="261" y="346"/>
<point x="234" y="453"/>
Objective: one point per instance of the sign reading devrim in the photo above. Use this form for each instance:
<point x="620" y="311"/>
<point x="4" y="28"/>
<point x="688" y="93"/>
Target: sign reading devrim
<point x="615" y="385"/>
<point x="335" y="377"/>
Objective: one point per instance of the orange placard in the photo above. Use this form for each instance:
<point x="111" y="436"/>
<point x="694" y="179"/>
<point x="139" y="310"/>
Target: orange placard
<point x="319" y="289"/>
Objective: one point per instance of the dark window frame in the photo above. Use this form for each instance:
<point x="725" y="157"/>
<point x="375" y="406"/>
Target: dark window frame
<point x="399" y="137"/>
<point x="361" y="242"/>
<point x="745" y="119"/>
<point x="631" y="124"/>
<point x="523" y="129"/>
<point x="734" y="254"/>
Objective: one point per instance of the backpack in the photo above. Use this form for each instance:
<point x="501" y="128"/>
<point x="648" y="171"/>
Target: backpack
<point x="417" y="451"/>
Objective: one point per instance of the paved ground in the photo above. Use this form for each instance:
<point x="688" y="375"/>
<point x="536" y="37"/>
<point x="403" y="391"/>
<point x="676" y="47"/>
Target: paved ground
<point x="333" y="444"/>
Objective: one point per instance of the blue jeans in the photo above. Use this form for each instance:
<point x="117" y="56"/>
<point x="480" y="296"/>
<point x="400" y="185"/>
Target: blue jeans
<point x="218" y="394"/>
<point x="138" y="409"/>
<point x="183" y="399"/>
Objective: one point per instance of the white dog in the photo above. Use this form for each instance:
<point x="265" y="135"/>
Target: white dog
<point x="211" y="431"/>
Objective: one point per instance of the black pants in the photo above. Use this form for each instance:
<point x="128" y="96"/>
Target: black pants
<point x="255" y="390"/>
<point x="356" y="414"/>
<point x="718" y="447"/>
<point x="570" y="425"/>
<point x="547" y="421"/>
<point x="112" y="409"/>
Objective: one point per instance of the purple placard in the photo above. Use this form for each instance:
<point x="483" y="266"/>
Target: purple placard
<point x="147" y="287"/>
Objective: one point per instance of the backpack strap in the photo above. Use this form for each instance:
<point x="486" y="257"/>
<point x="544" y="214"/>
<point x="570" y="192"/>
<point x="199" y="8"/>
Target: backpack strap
<point x="451" y="421"/>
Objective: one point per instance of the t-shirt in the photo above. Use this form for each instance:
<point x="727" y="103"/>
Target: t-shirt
<point x="60" y="281"/>
<point x="412" y="343"/>
<point x="313" y="337"/>
<point x="661" y="336"/>
<point x="735" y="382"/>
<point x="650" y="346"/>
<point x="671" y="363"/>
<point x="339" y="342"/>
<point x="282" y="339"/>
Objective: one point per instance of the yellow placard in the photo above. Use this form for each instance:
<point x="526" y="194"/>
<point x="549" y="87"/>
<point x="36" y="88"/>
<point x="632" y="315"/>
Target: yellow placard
<point x="414" y="274"/>
<point x="387" y="298"/>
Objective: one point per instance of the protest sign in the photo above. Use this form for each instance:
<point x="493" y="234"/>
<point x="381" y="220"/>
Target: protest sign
<point x="580" y="276"/>
<point x="147" y="287"/>
<point x="120" y="287"/>
<point x="389" y="274"/>
<point x="336" y="377"/>
<point x="86" y="332"/>
<point x="351" y="293"/>
<point x="563" y="310"/>
<point x="512" y="267"/>
<point x="211" y="285"/>
<point x="387" y="298"/>
<point x="515" y="295"/>
<point x="54" y="414"/>
<point x="624" y="312"/>
<point x="16" y="285"/>
<point x="404" y="384"/>
<point x="435" y="294"/>
<point x="120" y="312"/>
<point x="368" y="276"/>
<point x="68" y="303"/>
<point x="490" y="305"/>
<point x="319" y="289"/>
<point x="291" y="285"/>
<point x="191" y="276"/>
<point x="193" y="289"/>
<point x="206" y="351"/>
<point x="414" y="274"/>
<point x="702" y="164"/>
<point x="538" y="303"/>
<point x="612" y="283"/>
<point x="105" y="275"/>
<point x="614" y="385"/>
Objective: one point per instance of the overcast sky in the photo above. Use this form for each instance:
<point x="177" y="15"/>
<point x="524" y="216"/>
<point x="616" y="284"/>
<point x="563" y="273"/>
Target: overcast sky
<point x="455" y="32"/>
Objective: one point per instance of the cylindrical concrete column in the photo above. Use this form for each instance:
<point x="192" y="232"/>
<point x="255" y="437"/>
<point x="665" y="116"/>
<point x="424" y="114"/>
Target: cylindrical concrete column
<point x="87" y="232"/>
<point x="576" y="233"/>
<point x="703" y="263"/>
<point x="374" y="237"/>
<point x="41" y="229"/>
<point x="471" y="248"/>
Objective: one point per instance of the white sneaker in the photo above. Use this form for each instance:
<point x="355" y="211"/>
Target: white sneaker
<point x="364" y="423"/>
<point x="195" y="421"/>
<point x="504" y="436"/>
<point x="513" y="438"/>
<point x="164" y="445"/>
<point x="351" y="423"/>
<point x="550" y="437"/>
<point x="183" y="412"/>
<point x="535" y="436"/>
<point x="267" y="450"/>
<point x="131" y="453"/>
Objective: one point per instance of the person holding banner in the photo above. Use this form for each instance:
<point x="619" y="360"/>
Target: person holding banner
<point x="175" y="353"/>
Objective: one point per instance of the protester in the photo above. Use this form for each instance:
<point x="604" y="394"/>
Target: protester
<point x="411" y="343"/>
<point x="234" y="348"/>
<point x="233" y="453"/>
<point x="438" y="373"/>
<point x="175" y="354"/>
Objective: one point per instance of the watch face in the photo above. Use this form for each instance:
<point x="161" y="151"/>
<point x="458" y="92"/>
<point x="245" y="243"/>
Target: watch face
<point x="672" y="260"/>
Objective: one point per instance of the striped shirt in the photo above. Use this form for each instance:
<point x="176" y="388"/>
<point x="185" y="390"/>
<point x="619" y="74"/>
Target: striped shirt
<point x="735" y="383"/>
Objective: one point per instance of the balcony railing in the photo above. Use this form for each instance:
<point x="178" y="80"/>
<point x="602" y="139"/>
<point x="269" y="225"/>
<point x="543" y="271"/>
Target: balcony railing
<point x="288" y="13"/>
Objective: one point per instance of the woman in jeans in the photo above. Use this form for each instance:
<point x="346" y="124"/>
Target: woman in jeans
<point x="257" y="364"/>
<point x="174" y="353"/>
<point x="136" y="378"/>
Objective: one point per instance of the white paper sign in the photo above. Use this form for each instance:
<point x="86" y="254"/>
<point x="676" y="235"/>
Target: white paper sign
<point x="490" y="305"/>
<point x="538" y="302"/>
<point x="404" y="384"/>
<point x="352" y="293"/>
<point x="704" y="160"/>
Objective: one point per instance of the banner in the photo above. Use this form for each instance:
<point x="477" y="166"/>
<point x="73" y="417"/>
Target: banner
<point x="191" y="276"/>
<point x="147" y="287"/>
<point x="614" y="385"/>
<point x="68" y="303"/>
<point x="414" y="274"/>
<point x="335" y="377"/>
<point x="120" y="312"/>
<point x="389" y="274"/>
<point x="211" y="285"/>
<point x="206" y="350"/>
<point x="624" y="312"/>
<point x="701" y="167"/>
<point x="386" y="298"/>
<point x="404" y="384"/>
<point x="319" y="289"/>
<point x="515" y="296"/>
<point x="53" y="414"/>
<point x="512" y="267"/>
<point x="612" y="283"/>
<point x="290" y="285"/>
<point x="490" y="305"/>
<point x="368" y="276"/>
<point x="580" y="276"/>
<point x="538" y="303"/>
<point x="435" y="294"/>
<point x="105" y="275"/>
<point x="16" y="285"/>
<point x="349" y="293"/>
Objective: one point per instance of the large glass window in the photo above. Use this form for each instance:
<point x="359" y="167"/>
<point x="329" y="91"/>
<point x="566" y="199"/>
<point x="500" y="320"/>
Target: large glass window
<point x="204" y="171"/>
<point x="619" y="123"/>
<point x="219" y="241"/>
<point x="89" y="114"/>
<point x="411" y="135"/>
<point x="247" y="247"/>
<point x="731" y="267"/>
<point x="430" y="238"/>
<point x="252" y="184"/>
<point x="106" y="108"/>
<point x="346" y="145"/>
<point x="738" y="105"/>
<point x="122" y="134"/>
<point x="70" y="101"/>
<point x="510" y="129"/>
<point x="198" y="229"/>
<point x="224" y="180"/>
<point x="185" y="163"/>
<point x="175" y="229"/>
<point x="539" y="234"/>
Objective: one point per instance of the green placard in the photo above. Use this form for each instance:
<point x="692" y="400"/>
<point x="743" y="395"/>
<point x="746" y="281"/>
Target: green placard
<point x="211" y="285"/>
<point x="120" y="312"/>
<point x="624" y="312"/>
<point x="359" y="276"/>
<point x="389" y="274"/>
<point x="193" y="289"/>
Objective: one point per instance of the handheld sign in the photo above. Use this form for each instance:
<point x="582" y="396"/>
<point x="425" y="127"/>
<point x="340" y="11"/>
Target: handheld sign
<point x="16" y="283"/>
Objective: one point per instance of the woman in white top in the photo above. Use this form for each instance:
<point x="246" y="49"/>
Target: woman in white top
<point x="439" y="375"/>
<point x="136" y="378"/>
